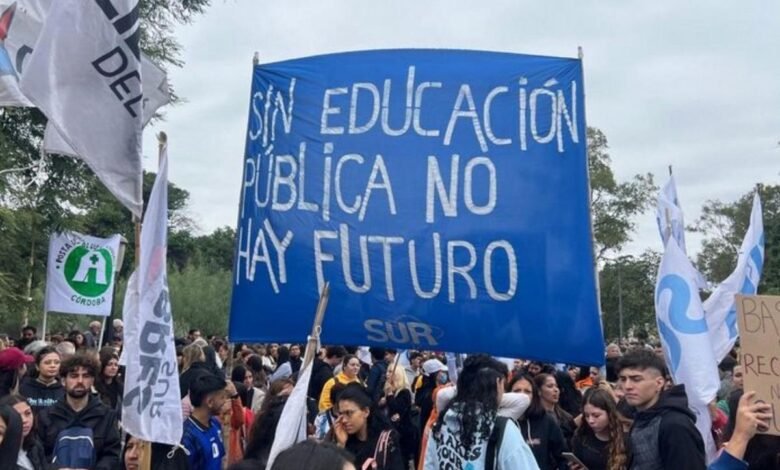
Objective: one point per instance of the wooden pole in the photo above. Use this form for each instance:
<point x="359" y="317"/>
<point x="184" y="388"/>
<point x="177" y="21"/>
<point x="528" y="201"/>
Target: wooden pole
<point x="316" y="329"/>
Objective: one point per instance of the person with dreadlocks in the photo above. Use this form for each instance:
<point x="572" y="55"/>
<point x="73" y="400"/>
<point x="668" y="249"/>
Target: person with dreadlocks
<point x="599" y="442"/>
<point x="469" y="433"/>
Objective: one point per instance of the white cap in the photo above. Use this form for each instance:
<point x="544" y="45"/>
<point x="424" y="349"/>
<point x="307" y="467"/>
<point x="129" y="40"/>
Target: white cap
<point x="432" y="366"/>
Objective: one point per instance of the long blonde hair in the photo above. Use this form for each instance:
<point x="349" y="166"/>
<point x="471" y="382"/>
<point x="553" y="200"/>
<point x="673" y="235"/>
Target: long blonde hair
<point x="190" y="354"/>
<point x="399" y="382"/>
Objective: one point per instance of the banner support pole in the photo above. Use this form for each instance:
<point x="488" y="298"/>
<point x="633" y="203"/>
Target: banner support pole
<point x="316" y="329"/>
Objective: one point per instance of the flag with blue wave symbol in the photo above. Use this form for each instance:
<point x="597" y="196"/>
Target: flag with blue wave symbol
<point x="685" y="335"/>
<point x="720" y="307"/>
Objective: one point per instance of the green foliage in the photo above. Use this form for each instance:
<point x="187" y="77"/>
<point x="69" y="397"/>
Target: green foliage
<point x="614" y="205"/>
<point x="725" y="225"/>
<point x="633" y="279"/>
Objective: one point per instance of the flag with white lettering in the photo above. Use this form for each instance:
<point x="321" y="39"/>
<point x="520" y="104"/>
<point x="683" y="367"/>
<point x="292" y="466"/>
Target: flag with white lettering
<point x="84" y="75"/>
<point x="151" y="407"/>
<point x="685" y="336"/>
<point x="80" y="274"/>
<point x="720" y="306"/>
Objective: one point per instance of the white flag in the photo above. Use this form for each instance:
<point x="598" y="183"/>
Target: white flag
<point x="156" y="95"/>
<point x="292" y="423"/>
<point x="80" y="274"/>
<point x="669" y="215"/>
<point x="720" y="307"/>
<point x="151" y="407"/>
<point x="20" y="23"/>
<point x="685" y="337"/>
<point x="84" y="75"/>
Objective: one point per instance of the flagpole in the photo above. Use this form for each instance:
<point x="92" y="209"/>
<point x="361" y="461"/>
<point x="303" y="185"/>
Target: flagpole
<point x="316" y="328"/>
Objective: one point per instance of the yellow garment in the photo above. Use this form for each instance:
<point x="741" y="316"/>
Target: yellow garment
<point x="342" y="378"/>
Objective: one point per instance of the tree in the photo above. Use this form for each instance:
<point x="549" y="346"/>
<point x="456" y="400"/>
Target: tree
<point x="614" y="205"/>
<point x="725" y="225"/>
<point x="630" y="280"/>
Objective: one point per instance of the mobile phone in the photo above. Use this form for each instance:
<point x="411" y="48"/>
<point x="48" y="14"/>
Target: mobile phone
<point x="573" y="459"/>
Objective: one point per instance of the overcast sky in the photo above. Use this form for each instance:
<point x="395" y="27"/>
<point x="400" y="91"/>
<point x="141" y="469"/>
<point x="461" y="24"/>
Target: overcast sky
<point x="695" y="85"/>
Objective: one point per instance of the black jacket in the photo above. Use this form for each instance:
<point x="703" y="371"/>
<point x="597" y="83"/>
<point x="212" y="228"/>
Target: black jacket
<point x="95" y="415"/>
<point x="40" y="396"/>
<point x="546" y="441"/>
<point x="196" y="369"/>
<point x="666" y="435"/>
<point x="321" y="373"/>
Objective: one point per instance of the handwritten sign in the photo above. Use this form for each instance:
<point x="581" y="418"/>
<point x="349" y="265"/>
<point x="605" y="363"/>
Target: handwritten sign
<point x="759" y="327"/>
<point x="443" y="194"/>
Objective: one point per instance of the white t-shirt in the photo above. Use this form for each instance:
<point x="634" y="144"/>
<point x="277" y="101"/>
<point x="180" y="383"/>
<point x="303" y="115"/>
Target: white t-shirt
<point x="22" y="461"/>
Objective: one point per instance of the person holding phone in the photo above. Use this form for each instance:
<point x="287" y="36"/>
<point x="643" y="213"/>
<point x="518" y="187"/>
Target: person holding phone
<point x="599" y="443"/>
<point x="752" y="417"/>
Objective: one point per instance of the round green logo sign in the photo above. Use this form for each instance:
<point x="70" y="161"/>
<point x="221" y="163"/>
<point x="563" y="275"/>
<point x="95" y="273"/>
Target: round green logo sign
<point x="89" y="272"/>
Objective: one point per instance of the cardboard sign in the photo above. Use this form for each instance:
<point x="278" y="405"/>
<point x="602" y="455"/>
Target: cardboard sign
<point x="759" y="327"/>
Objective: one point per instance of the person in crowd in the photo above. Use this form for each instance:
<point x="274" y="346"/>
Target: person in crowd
<point x="192" y="335"/>
<point x="108" y="383"/>
<point x="261" y="436"/>
<point x="311" y="455"/>
<point x="77" y="338"/>
<point x="549" y="393"/>
<point x="469" y="432"/>
<point x="92" y="335"/>
<point x="10" y="437"/>
<point x="574" y="372"/>
<point x="535" y="368"/>
<point x="376" y="376"/>
<point x="164" y="457"/>
<point x="348" y="374"/>
<point x="29" y="334"/>
<point x="79" y="414"/>
<point x="233" y="418"/>
<point x="570" y="398"/>
<point x="323" y="423"/>
<point x="735" y="383"/>
<point x="538" y="428"/>
<point x="66" y="349"/>
<point x="31" y="456"/>
<point x="435" y="375"/>
<point x="322" y="370"/>
<point x="599" y="442"/>
<point x="664" y="434"/>
<point x="223" y="355"/>
<point x="211" y="360"/>
<point x="253" y="396"/>
<point x="46" y="389"/>
<point x="613" y="354"/>
<point x="202" y="435"/>
<point x="750" y="417"/>
<point x="295" y="358"/>
<point x="593" y="378"/>
<point x="119" y="329"/>
<point x="398" y="405"/>
<point x="193" y="365"/>
<point x="366" y="433"/>
<point x="13" y="366"/>
<point x="413" y="370"/>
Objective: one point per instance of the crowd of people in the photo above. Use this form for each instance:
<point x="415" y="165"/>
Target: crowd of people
<point x="61" y="407"/>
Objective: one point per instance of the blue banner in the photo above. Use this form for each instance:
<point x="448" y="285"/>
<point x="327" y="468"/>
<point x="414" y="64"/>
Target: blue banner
<point x="443" y="194"/>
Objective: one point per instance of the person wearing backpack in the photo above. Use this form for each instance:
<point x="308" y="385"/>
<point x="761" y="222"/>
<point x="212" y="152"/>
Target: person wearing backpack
<point x="79" y="431"/>
<point x="469" y="433"/>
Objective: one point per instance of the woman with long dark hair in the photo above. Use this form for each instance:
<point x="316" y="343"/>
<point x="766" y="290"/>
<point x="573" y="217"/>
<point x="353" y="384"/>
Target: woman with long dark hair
<point x="10" y="437"/>
<point x="365" y="433"/>
<point x="462" y="433"/>
<point x="261" y="436"/>
<point x="599" y="441"/>
<point x="550" y="397"/>
<point x="31" y="455"/>
<point x="538" y="428"/>
<point x="108" y="383"/>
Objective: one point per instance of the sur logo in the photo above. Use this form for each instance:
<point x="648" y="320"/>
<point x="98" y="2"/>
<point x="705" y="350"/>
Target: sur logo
<point x="89" y="272"/>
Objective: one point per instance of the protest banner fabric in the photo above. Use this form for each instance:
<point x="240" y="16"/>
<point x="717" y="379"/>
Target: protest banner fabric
<point x="759" y="326"/>
<point x="720" y="307"/>
<point x="685" y="338"/>
<point x="151" y="409"/>
<point x="669" y="215"/>
<point x="443" y="194"/>
<point x="81" y="274"/>
<point x="84" y="76"/>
